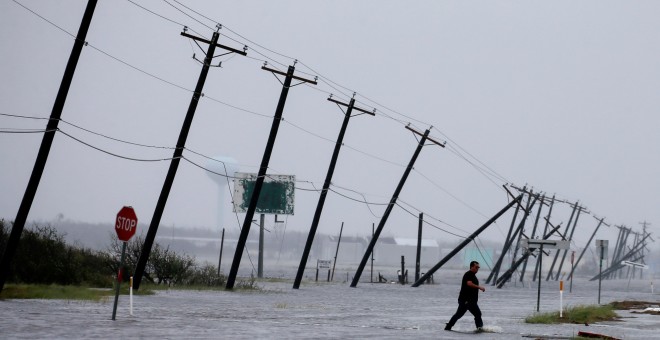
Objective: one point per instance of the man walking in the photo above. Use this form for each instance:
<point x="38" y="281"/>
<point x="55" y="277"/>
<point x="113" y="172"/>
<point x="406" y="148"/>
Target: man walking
<point x="468" y="297"/>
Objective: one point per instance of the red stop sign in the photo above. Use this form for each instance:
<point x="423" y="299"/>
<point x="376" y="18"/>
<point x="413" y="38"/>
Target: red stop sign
<point x="126" y="223"/>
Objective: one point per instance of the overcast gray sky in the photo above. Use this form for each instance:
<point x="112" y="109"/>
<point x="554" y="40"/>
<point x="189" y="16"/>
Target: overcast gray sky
<point x="561" y="96"/>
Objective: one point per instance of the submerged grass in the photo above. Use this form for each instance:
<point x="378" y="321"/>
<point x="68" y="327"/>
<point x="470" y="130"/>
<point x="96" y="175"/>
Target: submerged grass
<point x="59" y="292"/>
<point x="578" y="314"/>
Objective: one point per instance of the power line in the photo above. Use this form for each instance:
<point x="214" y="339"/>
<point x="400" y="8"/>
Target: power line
<point x="164" y="17"/>
<point x="426" y="222"/>
<point x="44" y="19"/>
<point x="111" y="153"/>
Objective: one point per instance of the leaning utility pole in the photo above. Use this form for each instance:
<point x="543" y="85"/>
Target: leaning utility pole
<point x="574" y="265"/>
<point x="568" y="225"/>
<point x="507" y="275"/>
<point x="178" y="152"/>
<point x="326" y="185"/>
<point x="393" y="200"/>
<point x="252" y="207"/>
<point x="570" y="238"/>
<point x="523" y="222"/>
<point x="545" y="230"/>
<point x="46" y="143"/>
<point x="332" y="277"/>
<point x="496" y="269"/>
<point x="536" y="223"/>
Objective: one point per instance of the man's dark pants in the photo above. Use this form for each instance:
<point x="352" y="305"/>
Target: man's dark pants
<point x="464" y="306"/>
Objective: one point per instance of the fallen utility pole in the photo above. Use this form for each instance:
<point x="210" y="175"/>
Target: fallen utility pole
<point x="466" y="242"/>
<point x="393" y="200"/>
<point x="249" y="214"/>
<point x="178" y="152"/>
<point x="326" y="185"/>
<point x="630" y="255"/>
<point x="46" y="143"/>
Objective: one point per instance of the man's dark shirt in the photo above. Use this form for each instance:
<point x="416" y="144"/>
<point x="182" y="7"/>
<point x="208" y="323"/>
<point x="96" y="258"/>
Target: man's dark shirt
<point x="467" y="293"/>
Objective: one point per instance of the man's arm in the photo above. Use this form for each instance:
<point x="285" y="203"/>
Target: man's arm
<point x="472" y="285"/>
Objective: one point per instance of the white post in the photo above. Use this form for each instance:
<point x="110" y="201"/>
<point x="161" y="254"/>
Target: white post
<point x="130" y="291"/>
<point x="561" y="299"/>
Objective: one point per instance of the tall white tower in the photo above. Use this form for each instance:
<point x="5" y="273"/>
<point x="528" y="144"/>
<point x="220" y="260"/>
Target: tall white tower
<point x="223" y="168"/>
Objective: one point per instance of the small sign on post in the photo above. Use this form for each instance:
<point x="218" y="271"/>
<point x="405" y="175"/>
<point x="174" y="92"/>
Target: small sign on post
<point x="602" y="248"/>
<point x="532" y="244"/>
<point x="125" y="226"/>
<point x="322" y="264"/>
<point x="602" y="254"/>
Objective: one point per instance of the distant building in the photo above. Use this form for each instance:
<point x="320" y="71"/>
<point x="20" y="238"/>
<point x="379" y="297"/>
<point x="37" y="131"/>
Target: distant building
<point x="388" y="250"/>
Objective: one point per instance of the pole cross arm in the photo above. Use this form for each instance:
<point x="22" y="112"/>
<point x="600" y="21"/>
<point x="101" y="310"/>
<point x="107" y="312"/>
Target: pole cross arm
<point x="373" y="113"/>
<point x="513" y="196"/>
<point x="209" y="42"/>
<point x="429" y="138"/>
<point x="284" y="74"/>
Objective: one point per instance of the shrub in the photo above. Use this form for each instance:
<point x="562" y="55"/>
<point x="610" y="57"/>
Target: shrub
<point x="42" y="257"/>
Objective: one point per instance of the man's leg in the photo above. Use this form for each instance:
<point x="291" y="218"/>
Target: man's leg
<point x="474" y="309"/>
<point x="462" y="308"/>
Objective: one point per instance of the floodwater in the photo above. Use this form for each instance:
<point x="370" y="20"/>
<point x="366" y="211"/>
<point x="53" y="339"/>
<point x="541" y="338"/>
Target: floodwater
<point x="328" y="311"/>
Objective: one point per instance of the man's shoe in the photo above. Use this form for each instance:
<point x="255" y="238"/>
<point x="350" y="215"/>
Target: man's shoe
<point x="480" y="329"/>
<point x="447" y="327"/>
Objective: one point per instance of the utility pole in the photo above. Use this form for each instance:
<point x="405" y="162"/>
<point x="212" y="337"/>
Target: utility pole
<point x="496" y="269"/>
<point x="46" y="143"/>
<point x="252" y="207"/>
<point x="644" y="225"/>
<point x="545" y="231"/>
<point x="178" y="151"/>
<point x="336" y="252"/>
<point x="393" y="200"/>
<point x="568" y="225"/>
<point x="326" y="185"/>
<point x="570" y="276"/>
<point x="536" y="222"/>
<point x="260" y="263"/>
<point x="419" y="245"/>
<point x="222" y="243"/>
<point x="521" y="228"/>
<point x="570" y="238"/>
<point x="373" y="226"/>
<point x="465" y="242"/>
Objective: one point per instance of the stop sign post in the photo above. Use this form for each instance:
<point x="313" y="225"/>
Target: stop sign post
<point x="125" y="226"/>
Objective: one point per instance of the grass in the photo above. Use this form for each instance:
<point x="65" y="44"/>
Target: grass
<point x="58" y="292"/>
<point x="578" y="314"/>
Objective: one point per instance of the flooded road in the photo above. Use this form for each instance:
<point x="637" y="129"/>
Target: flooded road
<point x="326" y="310"/>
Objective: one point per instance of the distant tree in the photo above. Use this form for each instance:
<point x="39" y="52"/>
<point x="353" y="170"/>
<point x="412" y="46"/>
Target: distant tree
<point x="206" y="275"/>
